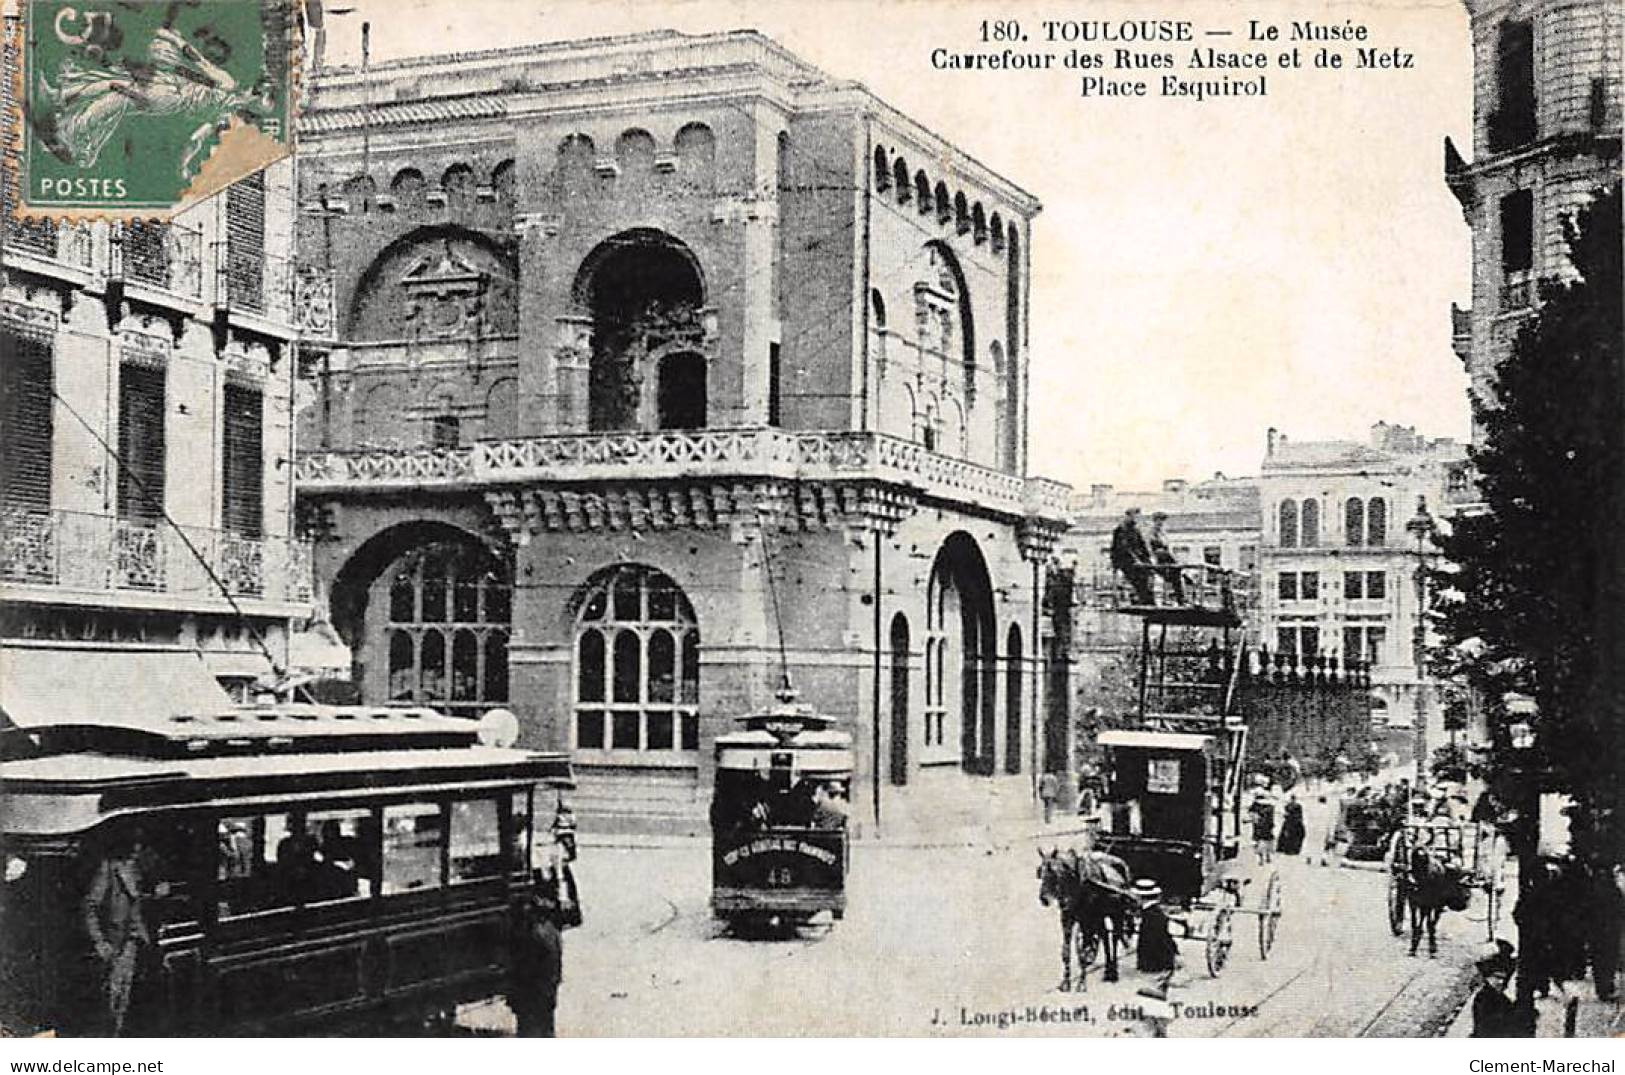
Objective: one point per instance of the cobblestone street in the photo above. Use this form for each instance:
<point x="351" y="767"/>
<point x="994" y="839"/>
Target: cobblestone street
<point x="953" y="941"/>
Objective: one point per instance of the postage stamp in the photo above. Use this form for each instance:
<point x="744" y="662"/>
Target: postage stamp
<point x="148" y="106"/>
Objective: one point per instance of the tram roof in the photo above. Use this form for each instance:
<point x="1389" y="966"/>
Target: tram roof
<point x="62" y="794"/>
<point x="1155" y="740"/>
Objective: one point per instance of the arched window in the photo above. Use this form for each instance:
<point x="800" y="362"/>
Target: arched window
<point x="1012" y="699"/>
<point x="922" y="192"/>
<point x="1288" y="521"/>
<point x="1311" y="522"/>
<point x="637" y="663"/>
<point x="696" y="150"/>
<point x="449" y="609"/>
<point x="408" y="187"/>
<point x="502" y="180"/>
<point x="945" y="207"/>
<point x="996" y="232"/>
<point x="1354" y="521"/>
<point x="882" y="171"/>
<point x="899" y="176"/>
<point x="961" y="213"/>
<point x="1376" y="521"/>
<point x="576" y="157"/>
<point x="635" y="152"/>
<point x="877" y="326"/>
<point x="978" y="223"/>
<point x="458" y="184"/>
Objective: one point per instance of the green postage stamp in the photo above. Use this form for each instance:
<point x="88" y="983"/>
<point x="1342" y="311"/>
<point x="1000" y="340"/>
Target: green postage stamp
<point x="140" y="107"/>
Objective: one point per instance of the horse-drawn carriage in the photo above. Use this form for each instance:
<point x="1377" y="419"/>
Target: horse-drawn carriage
<point x="778" y="819"/>
<point x="1365" y="828"/>
<point x="1172" y="812"/>
<point x="1434" y="865"/>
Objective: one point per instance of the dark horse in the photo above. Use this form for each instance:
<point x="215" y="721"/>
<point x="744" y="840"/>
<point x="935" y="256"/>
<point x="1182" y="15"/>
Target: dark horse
<point x="1432" y="887"/>
<point x="1091" y="891"/>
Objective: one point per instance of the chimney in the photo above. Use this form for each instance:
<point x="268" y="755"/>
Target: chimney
<point x="1271" y="437"/>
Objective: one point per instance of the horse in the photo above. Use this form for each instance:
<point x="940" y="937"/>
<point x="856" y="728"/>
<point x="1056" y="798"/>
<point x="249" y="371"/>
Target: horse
<point x="1089" y="890"/>
<point x="1433" y="886"/>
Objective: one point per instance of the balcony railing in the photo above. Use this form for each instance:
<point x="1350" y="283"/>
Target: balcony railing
<point x="168" y="257"/>
<point x="74" y="551"/>
<point x="52" y="240"/>
<point x="253" y="282"/>
<point x="691" y="454"/>
<point x="1203" y="586"/>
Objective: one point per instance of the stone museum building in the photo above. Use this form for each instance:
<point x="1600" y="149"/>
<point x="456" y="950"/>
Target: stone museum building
<point x="146" y="451"/>
<point x="661" y="360"/>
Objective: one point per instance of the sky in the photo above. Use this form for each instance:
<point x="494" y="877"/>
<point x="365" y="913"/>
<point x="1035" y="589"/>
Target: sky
<point x="1201" y="271"/>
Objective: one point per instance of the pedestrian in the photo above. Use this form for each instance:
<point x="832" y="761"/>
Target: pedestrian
<point x="537" y="969"/>
<point x="1163" y="557"/>
<point x="117" y="922"/>
<point x="1494" y="1015"/>
<point x="1132" y="557"/>
<point x="1155" y="952"/>
<point x="1262" y="813"/>
<point x="1603" y="930"/>
<point x="1048" y="790"/>
<point x="1292" y="828"/>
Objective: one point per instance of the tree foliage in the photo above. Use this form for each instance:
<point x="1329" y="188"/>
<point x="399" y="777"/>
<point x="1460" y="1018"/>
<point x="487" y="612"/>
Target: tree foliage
<point x="1538" y="574"/>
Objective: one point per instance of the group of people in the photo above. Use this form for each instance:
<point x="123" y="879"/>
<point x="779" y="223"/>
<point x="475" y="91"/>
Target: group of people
<point x="1277" y="826"/>
<point x="1140" y="556"/>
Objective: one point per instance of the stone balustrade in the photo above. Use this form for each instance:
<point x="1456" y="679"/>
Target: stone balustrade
<point x="688" y="454"/>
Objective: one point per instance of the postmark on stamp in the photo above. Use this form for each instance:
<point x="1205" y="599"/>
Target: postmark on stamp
<point x="141" y="107"/>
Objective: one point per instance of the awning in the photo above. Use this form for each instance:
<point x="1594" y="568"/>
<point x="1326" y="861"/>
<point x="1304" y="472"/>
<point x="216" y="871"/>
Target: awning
<point x="125" y="688"/>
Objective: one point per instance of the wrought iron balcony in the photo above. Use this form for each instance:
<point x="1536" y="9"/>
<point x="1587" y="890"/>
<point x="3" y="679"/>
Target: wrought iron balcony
<point x="706" y="453"/>
<point x="253" y="282"/>
<point x="168" y="257"/>
<point x="100" y="554"/>
<point x="71" y="244"/>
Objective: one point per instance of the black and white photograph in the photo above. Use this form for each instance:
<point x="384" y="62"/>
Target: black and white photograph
<point x="928" y="519"/>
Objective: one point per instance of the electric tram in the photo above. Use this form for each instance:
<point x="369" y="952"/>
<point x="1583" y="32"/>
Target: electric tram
<point x="302" y="868"/>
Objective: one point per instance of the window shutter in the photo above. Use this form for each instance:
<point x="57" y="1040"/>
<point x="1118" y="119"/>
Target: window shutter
<point x="26" y="413"/>
<point x="141" y="442"/>
<point x="243" y="467"/>
<point x="245" y="242"/>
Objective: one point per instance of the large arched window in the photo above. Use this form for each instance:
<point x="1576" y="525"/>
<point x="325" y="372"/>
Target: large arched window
<point x="450" y="604"/>
<point x="1288" y="522"/>
<point x="944" y="332"/>
<point x="1376" y="521"/>
<point x="1310" y="531"/>
<point x="637" y="663"/>
<point x="960" y="655"/>
<point x="1354" y="521"/>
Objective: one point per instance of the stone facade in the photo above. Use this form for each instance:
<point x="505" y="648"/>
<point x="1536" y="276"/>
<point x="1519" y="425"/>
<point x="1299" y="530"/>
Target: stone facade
<point x="651" y="348"/>
<point x="1338" y="565"/>
<point x="1547" y="97"/>
<point x="138" y="340"/>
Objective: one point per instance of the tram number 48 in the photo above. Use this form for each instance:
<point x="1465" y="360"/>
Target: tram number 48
<point x="780" y="877"/>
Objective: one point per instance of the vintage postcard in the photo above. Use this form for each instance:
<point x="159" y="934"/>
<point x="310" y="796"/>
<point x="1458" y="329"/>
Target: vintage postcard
<point x="876" y="520"/>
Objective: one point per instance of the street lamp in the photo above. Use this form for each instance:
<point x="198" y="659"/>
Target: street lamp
<point x="1421" y="527"/>
<point x="1521" y="710"/>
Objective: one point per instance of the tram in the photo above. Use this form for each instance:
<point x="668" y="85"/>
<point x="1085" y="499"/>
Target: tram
<point x="779" y="850"/>
<point x="302" y="868"/>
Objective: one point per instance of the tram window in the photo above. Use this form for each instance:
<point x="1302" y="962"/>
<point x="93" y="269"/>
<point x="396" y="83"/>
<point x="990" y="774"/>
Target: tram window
<point x="476" y="840"/>
<point x="279" y="860"/>
<point x="414" y="833"/>
<point x="1162" y="776"/>
<point x="521" y="858"/>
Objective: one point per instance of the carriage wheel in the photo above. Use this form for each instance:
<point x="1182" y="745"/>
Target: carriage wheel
<point x="1269" y="916"/>
<point x="1220" y="936"/>
<point x="1396" y="902"/>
